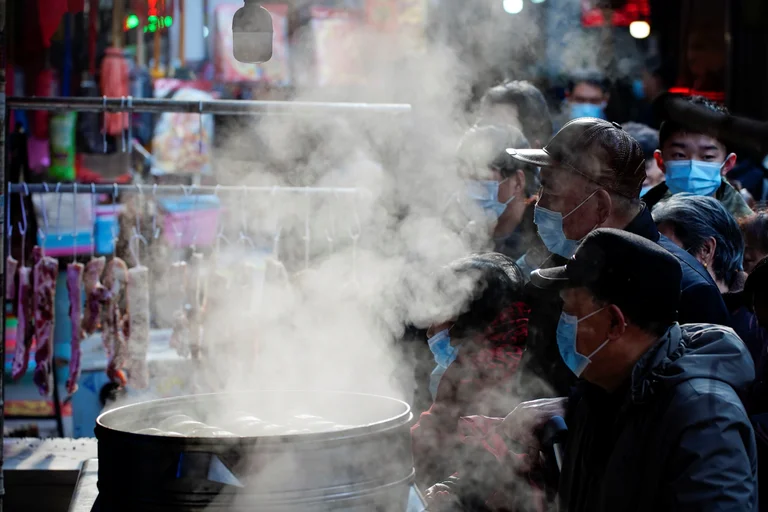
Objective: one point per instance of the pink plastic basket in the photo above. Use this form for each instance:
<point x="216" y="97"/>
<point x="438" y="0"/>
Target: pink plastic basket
<point x="189" y="221"/>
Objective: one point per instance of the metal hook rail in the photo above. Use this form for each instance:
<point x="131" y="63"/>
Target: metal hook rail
<point x="68" y="188"/>
<point x="220" y="107"/>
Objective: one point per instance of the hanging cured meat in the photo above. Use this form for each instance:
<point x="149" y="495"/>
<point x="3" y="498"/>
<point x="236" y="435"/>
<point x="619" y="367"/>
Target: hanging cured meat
<point x="115" y="319"/>
<point x="180" y="334"/>
<point x="24" y="330"/>
<point x="95" y="294"/>
<point x="44" y="275"/>
<point x="75" y="292"/>
<point x="10" y="278"/>
<point x="138" y="298"/>
<point x="196" y="308"/>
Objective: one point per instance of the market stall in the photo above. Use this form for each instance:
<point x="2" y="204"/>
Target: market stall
<point x="115" y="344"/>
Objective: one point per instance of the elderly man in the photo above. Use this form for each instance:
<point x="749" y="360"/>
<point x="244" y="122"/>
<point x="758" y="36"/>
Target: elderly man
<point x="656" y="422"/>
<point x="591" y="175"/>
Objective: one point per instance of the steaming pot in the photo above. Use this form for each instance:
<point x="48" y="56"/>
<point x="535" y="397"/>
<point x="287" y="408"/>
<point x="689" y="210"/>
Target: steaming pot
<point x="366" y="467"/>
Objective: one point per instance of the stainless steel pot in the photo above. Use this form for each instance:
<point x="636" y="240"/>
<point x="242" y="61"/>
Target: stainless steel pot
<point x="367" y="467"/>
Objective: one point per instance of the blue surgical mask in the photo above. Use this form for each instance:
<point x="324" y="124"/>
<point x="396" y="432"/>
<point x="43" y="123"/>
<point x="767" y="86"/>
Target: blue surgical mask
<point x="645" y="190"/>
<point x="444" y="353"/>
<point x="567" y="329"/>
<point x="486" y="194"/>
<point x="587" y="110"/>
<point x="440" y="345"/>
<point x="550" y="227"/>
<point x="693" y="176"/>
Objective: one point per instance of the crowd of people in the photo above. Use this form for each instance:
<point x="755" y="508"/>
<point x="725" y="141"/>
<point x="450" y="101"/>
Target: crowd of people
<point x="625" y="290"/>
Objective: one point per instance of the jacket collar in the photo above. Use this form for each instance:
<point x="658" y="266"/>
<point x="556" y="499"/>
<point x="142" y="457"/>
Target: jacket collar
<point x="644" y="226"/>
<point x="643" y="378"/>
<point x="726" y="194"/>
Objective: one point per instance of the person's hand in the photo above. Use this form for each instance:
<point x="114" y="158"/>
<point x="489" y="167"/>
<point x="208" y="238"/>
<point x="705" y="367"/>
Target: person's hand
<point x="440" y="499"/>
<point x="521" y="424"/>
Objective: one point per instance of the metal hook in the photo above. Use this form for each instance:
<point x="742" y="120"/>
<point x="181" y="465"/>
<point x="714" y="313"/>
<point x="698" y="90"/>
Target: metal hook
<point x="139" y="209"/>
<point x="201" y="126"/>
<point x="44" y="233"/>
<point x="104" y="132"/>
<point x="278" y="228"/>
<point x="23" y="230"/>
<point x="9" y="224"/>
<point x="197" y="224"/>
<point x="115" y="225"/>
<point x="58" y="211"/>
<point x="93" y="220"/>
<point x="244" y="238"/>
<point x="329" y="238"/>
<point x="242" y="210"/>
<point x="130" y="123"/>
<point x="122" y="130"/>
<point x="220" y="229"/>
<point x="136" y="237"/>
<point x="354" y="236"/>
<point x="24" y="210"/>
<point x="155" y="229"/>
<point x="276" y="242"/>
<point x="74" y="221"/>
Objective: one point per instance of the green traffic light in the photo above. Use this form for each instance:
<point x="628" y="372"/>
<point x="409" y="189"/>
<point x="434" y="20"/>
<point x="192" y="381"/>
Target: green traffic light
<point x="131" y="22"/>
<point x="168" y="21"/>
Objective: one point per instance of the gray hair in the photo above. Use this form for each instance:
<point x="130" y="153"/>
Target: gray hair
<point x="696" y="219"/>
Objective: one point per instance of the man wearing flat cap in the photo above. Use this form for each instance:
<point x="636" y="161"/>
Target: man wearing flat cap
<point x="655" y="421"/>
<point x="591" y="175"/>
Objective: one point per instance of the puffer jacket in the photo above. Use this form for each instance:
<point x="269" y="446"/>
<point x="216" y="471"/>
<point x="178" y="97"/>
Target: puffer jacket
<point x="675" y="438"/>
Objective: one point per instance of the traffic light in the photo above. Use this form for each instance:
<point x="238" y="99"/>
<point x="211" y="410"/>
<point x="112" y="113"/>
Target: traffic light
<point x="131" y="22"/>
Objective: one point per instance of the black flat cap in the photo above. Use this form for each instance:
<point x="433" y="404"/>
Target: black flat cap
<point x="621" y="268"/>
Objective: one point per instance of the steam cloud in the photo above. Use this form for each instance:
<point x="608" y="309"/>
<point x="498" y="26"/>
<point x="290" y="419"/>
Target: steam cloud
<point x="333" y="324"/>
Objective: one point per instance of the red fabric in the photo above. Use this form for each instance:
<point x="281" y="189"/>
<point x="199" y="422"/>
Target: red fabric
<point x="41" y="19"/>
<point x="480" y="382"/>
<point x="49" y="13"/>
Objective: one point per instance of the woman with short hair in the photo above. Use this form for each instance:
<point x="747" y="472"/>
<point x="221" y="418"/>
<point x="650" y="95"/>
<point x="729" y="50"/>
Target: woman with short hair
<point x="477" y="348"/>
<point x="704" y="228"/>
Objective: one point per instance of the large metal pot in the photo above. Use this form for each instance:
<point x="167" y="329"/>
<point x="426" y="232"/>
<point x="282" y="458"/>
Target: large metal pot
<point x="367" y="467"/>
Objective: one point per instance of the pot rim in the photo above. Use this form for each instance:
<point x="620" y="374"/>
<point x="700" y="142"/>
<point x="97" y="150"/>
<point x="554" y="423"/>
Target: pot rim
<point x="339" y="435"/>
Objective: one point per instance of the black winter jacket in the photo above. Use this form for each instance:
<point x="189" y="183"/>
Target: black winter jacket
<point x="544" y="373"/>
<point x="675" y="438"/>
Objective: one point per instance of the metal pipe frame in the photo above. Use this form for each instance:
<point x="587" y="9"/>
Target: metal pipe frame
<point x="222" y="107"/>
<point x="5" y="248"/>
<point x="165" y="190"/>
